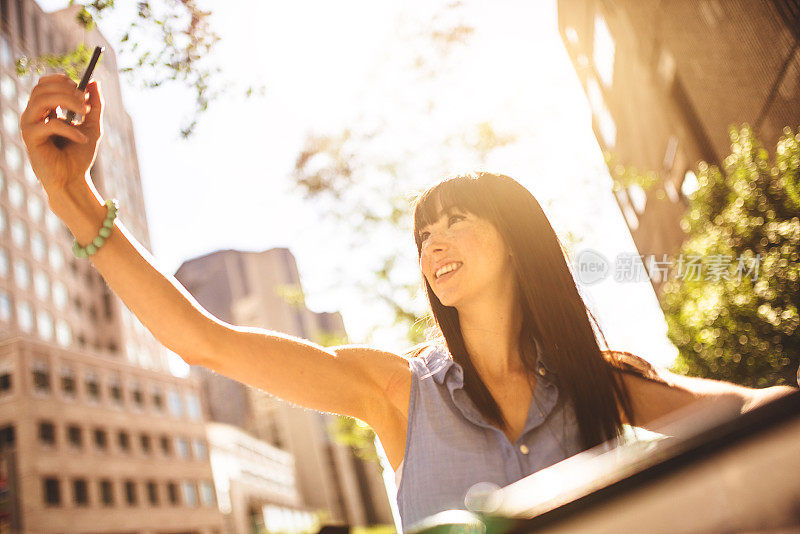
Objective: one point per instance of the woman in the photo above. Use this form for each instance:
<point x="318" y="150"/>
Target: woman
<point x="517" y="381"/>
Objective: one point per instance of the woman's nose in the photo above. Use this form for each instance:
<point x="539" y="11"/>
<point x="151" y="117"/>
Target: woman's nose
<point x="436" y="242"/>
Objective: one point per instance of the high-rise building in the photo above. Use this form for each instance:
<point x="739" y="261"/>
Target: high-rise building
<point x="263" y="289"/>
<point x="96" y="435"/>
<point x="665" y="81"/>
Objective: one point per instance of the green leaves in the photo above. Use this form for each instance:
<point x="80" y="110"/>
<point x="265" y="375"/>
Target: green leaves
<point x="742" y="330"/>
<point x="72" y="63"/>
<point x="167" y="41"/>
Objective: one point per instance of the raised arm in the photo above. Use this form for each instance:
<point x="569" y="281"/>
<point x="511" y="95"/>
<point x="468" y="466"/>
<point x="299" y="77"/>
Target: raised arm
<point x="348" y="380"/>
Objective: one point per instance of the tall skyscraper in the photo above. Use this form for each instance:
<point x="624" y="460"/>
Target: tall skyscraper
<point x="665" y="80"/>
<point x="263" y="289"/>
<point x="95" y="434"/>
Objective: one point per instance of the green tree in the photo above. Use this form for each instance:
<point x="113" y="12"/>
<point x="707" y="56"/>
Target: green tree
<point x="740" y="323"/>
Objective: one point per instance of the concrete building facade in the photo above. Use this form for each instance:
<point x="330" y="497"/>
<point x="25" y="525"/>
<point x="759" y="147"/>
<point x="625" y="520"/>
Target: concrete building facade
<point x="255" y="482"/>
<point x="95" y="434"/>
<point x="263" y="289"/>
<point x="666" y="80"/>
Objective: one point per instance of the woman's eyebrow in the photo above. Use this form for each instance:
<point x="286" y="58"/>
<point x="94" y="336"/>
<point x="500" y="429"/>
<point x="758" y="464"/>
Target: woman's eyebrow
<point x="446" y="212"/>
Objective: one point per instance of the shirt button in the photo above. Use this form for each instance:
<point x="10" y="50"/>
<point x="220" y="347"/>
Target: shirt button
<point x="524" y="449"/>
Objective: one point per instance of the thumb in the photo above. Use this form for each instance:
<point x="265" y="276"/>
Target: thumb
<point x="94" y="119"/>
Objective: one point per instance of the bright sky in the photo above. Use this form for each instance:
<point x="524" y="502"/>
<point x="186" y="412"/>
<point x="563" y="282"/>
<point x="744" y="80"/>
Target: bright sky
<point x="324" y="64"/>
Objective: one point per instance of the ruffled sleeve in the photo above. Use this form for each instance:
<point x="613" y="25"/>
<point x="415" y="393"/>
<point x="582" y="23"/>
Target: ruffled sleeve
<point x="627" y="362"/>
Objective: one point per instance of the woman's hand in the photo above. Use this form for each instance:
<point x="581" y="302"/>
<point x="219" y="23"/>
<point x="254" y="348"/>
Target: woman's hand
<point x="59" y="168"/>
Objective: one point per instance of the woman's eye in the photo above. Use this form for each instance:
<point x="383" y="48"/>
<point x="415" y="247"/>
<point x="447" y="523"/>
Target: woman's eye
<point x="455" y="218"/>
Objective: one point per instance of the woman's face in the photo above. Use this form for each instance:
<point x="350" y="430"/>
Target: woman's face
<point x="464" y="257"/>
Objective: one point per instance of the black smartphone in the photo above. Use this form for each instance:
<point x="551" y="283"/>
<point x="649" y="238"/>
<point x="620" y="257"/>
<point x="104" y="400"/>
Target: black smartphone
<point x="59" y="141"/>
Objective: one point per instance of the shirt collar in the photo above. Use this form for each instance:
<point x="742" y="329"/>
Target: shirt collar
<point x="441" y="366"/>
<point x="446" y="371"/>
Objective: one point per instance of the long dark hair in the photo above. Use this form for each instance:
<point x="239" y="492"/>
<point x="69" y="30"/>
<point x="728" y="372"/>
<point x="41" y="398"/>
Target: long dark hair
<point x="553" y="312"/>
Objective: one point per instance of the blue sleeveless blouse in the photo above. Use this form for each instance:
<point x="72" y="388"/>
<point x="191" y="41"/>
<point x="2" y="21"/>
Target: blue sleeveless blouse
<point x="450" y="447"/>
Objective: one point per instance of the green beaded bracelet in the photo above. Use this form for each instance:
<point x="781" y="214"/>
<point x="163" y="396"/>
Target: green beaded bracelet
<point x="105" y="231"/>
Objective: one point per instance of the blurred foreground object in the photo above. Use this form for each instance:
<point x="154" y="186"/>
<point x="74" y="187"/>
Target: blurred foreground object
<point x="714" y="473"/>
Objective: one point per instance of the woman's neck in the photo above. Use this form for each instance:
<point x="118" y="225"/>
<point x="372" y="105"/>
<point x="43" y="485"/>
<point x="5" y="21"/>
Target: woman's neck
<point x="491" y="335"/>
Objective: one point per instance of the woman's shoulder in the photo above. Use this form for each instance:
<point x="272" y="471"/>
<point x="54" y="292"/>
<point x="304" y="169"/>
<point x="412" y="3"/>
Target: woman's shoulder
<point x="630" y="363"/>
<point x="424" y="355"/>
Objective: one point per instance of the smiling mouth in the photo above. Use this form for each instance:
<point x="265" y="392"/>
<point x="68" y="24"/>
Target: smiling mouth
<point x="448" y="274"/>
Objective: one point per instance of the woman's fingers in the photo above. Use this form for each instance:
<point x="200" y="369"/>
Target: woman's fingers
<point x="59" y="81"/>
<point x="41" y="105"/>
<point x="38" y="134"/>
<point x="93" y="119"/>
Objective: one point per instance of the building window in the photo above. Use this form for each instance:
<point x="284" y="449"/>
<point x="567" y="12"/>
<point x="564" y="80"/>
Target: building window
<point x="172" y="492"/>
<point x="605" y="122"/>
<point x="41" y="285"/>
<point x="19" y="233"/>
<point x="182" y="446"/>
<point x="603" y="54"/>
<point x="41" y="376"/>
<point x="158" y="398"/>
<point x="124" y="440"/>
<point x="193" y="406"/>
<point x="200" y="449"/>
<point x="59" y="295"/>
<point x="4" y="263"/>
<point x="107" y="310"/>
<point x="13" y="156"/>
<point x="130" y="492"/>
<point x="136" y="395"/>
<point x="80" y="492"/>
<point x="25" y="316"/>
<point x="165" y="445"/>
<point x="44" y="325"/>
<point x="207" y="493"/>
<point x="174" y="402"/>
<point x="5" y="381"/>
<point x="92" y="386"/>
<point x="69" y="385"/>
<point x="75" y="436"/>
<point x="627" y="210"/>
<point x="152" y="493"/>
<point x="22" y="274"/>
<point x="30" y="176"/>
<point x="6" y="54"/>
<point x="115" y="389"/>
<point x="571" y="34"/>
<point x="189" y="493"/>
<point x="145" y="443"/>
<point x="106" y="492"/>
<point x="11" y="122"/>
<point x="63" y="333"/>
<point x="56" y="256"/>
<point x="52" y="491"/>
<point x="101" y="439"/>
<point x="5" y="306"/>
<point x="47" y="433"/>
<point x="7" y="437"/>
<point x="38" y="246"/>
<point x="638" y="198"/>
<point x="16" y="195"/>
<point x="35" y="209"/>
